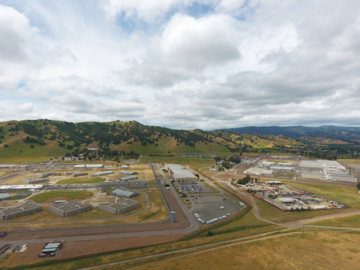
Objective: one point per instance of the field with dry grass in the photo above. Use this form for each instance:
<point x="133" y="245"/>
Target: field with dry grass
<point x="320" y="250"/>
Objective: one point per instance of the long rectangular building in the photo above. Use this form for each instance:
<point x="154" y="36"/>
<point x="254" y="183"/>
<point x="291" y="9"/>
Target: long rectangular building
<point x="19" y="211"/>
<point x="97" y="174"/>
<point x="180" y="173"/>
<point x="70" y="208"/>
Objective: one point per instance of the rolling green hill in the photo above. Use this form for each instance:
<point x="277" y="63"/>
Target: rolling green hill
<point x="37" y="140"/>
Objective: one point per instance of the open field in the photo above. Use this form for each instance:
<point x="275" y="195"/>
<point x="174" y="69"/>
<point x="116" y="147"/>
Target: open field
<point x="349" y="222"/>
<point x="81" y="180"/>
<point x="286" y="175"/>
<point x="51" y="196"/>
<point x="346" y="195"/>
<point x="321" y="250"/>
<point x="158" y="209"/>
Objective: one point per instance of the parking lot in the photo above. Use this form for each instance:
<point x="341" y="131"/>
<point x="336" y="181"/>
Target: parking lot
<point x="208" y="206"/>
<point x="191" y="187"/>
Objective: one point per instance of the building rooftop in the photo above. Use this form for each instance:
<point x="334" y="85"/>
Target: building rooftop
<point x="121" y="203"/>
<point x="24" y="207"/>
<point x="20" y="187"/>
<point x="69" y="206"/>
<point x="128" y="172"/>
<point x="123" y="192"/>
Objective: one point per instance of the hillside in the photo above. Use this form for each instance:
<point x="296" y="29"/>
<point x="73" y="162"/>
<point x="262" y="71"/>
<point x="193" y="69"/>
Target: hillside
<point x="337" y="135"/>
<point x="37" y="140"/>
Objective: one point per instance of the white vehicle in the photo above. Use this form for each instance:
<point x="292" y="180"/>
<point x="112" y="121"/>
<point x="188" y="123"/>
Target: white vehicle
<point x="222" y="207"/>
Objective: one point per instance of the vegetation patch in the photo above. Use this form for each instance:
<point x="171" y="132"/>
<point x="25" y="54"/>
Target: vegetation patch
<point x="52" y="196"/>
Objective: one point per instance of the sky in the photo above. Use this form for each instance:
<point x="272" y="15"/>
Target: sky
<point x="187" y="64"/>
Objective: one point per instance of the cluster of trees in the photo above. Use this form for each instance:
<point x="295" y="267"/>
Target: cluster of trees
<point x="245" y="180"/>
<point x="33" y="140"/>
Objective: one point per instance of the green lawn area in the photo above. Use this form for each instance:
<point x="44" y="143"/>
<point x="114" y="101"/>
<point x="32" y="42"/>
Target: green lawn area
<point x="81" y="180"/>
<point x="286" y="175"/>
<point x="51" y="196"/>
<point x="346" y="195"/>
<point x="349" y="222"/>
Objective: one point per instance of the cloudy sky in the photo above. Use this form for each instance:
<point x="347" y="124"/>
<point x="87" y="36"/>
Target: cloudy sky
<point x="181" y="64"/>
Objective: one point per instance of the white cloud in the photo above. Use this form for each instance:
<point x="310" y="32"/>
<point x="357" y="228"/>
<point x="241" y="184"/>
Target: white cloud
<point x="216" y="63"/>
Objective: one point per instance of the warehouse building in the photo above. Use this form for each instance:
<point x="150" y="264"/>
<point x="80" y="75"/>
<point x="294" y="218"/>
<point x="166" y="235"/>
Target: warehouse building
<point x="97" y="174"/>
<point x="5" y="188"/>
<point x="4" y="196"/>
<point x="51" y="249"/>
<point x="76" y="174"/>
<point x="70" y="208"/>
<point x="119" y="207"/>
<point x="89" y="166"/>
<point x="341" y="177"/>
<point x="124" y="193"/>
<point x="45" y="175"/>
<point x="259" y="171"/>
<point x="278" y="168"/>
<point x="285" y="164"/>
<point x="180" y="173"/>
<point x="266" y="164"/>
<point x="124" y="167"/>
<point x="19" y="211"/>
<point x="35" y="180"/>
<point x="285" y="200"/>
<point x="128" y="172"/>
<point x="314" y="175"/>
<point x="128" y="178"/>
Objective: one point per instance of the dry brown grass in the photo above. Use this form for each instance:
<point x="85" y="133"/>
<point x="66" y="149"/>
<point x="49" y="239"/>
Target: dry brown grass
<point x="321" y="250"/>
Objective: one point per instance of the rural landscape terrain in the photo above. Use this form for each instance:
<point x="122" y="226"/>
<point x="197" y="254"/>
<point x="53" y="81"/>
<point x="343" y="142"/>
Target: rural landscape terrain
<point x="203" y="199"/>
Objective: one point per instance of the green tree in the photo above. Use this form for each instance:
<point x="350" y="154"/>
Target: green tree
<point x="358" y="185"/>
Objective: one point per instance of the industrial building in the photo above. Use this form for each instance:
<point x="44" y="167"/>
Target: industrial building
<point x="25" y="209"/>
<point x="128" y="172"/>
<point x="119" y="207"/>
<point x="325" y="170"/>
<point x="4" y="196"/>
<point x="128" y="178"/>
<point x="124" y="167"/>
<point x="259" y="171"/>
<point x="70" y="208"/>
<point x="35" y="180"/>
<point x="266" y="164"/>
<point x="89" y="166"/>
<point x="45" y="175"/>
<point x="278" y="168"/>
<point x="180" y="173"/>
<point x="76" y="174"/>
<point x="97" y="174"/>
<point x="124" y="193"/>
<point x="5" y="188"/>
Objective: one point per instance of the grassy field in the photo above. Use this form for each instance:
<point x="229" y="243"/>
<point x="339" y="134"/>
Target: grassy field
<point x="52" y="196"/>
<point x="322" y="250"/>
<point x="349" y="222"/>
<point x="286" y="175"/>
<point x="81" y="180"/>
<point x="19" y="152"/>
<point x="345" y="195"/>
<point x="158" y="209"/>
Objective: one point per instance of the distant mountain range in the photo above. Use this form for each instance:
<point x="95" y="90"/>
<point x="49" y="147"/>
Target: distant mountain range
<point x="346" y="134"/>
